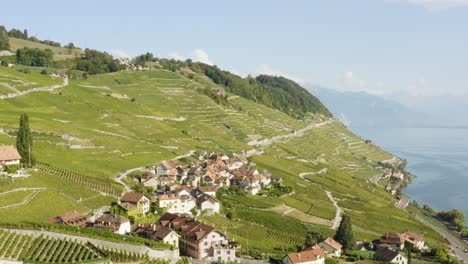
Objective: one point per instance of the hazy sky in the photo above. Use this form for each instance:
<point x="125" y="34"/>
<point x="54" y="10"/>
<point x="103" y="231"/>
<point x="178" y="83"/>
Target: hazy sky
<point x="380" y="46"/>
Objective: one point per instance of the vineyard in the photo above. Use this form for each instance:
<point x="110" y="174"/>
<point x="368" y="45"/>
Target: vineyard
<point x="103" y="185"/>
<point x="14" y="246"/>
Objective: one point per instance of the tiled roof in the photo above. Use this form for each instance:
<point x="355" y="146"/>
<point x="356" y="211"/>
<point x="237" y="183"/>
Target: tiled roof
<point x="9" y="153"/>
<point x="307" y="255"/>
<point x="131" y="197"/>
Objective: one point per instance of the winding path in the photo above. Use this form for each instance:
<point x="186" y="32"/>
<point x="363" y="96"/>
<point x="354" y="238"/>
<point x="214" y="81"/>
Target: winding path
<point x="299" y="133"/>
<point x="37" y="89"/>
<point x="336" y="222"/>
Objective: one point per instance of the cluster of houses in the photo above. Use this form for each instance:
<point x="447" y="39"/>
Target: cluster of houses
<point x="191" y="189"/>
<point x="192" y="238"/>
<point x="388" y="249"/>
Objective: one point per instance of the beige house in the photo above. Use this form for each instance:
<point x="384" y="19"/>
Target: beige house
<point x="117" y="223"/>
<point x="158" y="233"/>
<point x="175" y="204"/>
<point x="414" y="239"/>
<point x="331" y="247"/>
<point x="9" y="156"/>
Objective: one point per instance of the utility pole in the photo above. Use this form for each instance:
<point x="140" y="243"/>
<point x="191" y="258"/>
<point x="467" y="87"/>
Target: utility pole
<point x="29" y="152"/>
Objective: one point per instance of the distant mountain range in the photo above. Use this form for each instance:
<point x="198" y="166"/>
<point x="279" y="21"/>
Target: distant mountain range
<point x="360" y="109"/>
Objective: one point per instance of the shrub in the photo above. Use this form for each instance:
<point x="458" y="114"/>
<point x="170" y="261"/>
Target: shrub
<point x="44" y="71"/>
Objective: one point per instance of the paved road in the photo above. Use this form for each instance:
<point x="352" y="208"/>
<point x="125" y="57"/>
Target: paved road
<point x="403" y="202"/>
<point x="456" y="246"/>
<point x="336" y="222"/>
<point x="299" y="133"/>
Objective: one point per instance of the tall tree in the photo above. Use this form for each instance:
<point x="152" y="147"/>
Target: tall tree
<point x="24" y="141"/>
<point x="344" y="234"/>
<point x="4" y="39"/>
<point x="312" y="238"/>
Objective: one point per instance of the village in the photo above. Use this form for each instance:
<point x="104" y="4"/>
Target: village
<point x="172" y="194"/>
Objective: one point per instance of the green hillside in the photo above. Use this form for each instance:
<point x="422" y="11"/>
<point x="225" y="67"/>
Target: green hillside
<point x="108" y="123"/>
<point x="59" y="52"/>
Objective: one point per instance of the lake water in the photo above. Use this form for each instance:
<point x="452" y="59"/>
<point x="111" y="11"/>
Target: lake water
<point x="437" y="156"/>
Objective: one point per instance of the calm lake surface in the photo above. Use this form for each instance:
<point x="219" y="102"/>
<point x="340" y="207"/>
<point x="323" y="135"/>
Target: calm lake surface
<point x="437" y="156"/>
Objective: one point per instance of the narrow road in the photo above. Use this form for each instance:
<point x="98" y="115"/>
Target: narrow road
<point x="456" y="246"/>
<point x="299" y="133"/>
<point x="403" y="202"/>
<point x="37" y="89"/>
<point x="336" y="222"/>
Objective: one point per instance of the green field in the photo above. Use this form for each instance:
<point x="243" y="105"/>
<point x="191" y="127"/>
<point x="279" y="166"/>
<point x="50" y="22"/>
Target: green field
<point x="108" y="123"/>
<point x="59" y="53"/>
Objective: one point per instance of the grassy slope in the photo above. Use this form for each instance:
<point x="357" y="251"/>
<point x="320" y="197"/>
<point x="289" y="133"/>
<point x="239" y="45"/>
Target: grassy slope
<point x="102" y="104"/>
<point x="59" y="53"/>
<point x="12" y="81"/>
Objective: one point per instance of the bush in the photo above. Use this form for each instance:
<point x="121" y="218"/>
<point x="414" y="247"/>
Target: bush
<point x="11" y="169"/>
<point x="44" y="71"/>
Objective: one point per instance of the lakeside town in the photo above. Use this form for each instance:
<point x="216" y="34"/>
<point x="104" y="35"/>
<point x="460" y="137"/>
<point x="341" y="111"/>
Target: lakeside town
<point x="175" y="193"/>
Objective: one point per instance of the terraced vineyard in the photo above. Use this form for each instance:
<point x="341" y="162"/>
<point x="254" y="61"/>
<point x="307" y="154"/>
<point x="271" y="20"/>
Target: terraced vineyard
<point x="93" y="129"/>
<point x="43" y="249"/>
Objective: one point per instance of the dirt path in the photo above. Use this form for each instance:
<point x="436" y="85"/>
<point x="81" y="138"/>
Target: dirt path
<point x="299" y="133"/>
<point x="336" y="222"/>
<point x="286" y="210"/>
<point x="26" y="199"/>
<point x="37" y="89"/>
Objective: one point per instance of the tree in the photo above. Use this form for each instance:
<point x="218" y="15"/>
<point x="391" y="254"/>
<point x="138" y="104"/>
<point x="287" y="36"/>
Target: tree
<point x="344" y="234"/>
<point x="4" y="39"/>
<point x="312" y="238"/>
<point x="24" y="142"/>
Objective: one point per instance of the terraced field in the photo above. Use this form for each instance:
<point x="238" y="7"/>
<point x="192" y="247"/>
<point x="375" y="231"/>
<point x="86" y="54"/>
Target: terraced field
<point x="97" y="127"/>
<point x="42" y="249"/>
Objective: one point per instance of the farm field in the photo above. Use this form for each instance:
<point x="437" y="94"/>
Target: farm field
<point x="93" y="129"/>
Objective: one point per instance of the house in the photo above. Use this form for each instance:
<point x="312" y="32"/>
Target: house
<point x="390" y="256"/>
<point x="9" y="156"/>
<point x="397" y="174"/>
<point x="200" y="240"/>
<point x="136" y="204"/>
<point x="210" y="190"/>
<point x="314" y="255"/>
<point x="167" y="167"/>
<point x="158" y="233"/>
<point x="175" y="204"/>
<point x="207" y="204"/>
<point x="331" y="247"/>
<point x="149" y="179"/>
<point x="117" y="223"/>
<point x="73" y="218"/>
<point x="392" y="240"/>
<point x="414" y="239"/>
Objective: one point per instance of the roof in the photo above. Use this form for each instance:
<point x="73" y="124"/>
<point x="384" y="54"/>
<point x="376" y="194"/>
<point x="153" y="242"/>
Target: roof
<point x="411" y="237"/>
<point x="70" y="218"/>
<point x="131" y="197"/>
<point x="203" y="197"/>
<point x="110" y="218"/>
<point x="311" y="254"/>
<point x="332" y="243"/>
<point x="9" y="153"/>
<point x="208" y="188"/>
<point x="171" y="164"/>
<point x="386" y="255"/>
<point x="188" y="227"/>
<point x="391" y="238"/>
<point x="161" y="233"/>
<point x="166" y="218"/>
<point x="170" y="196"/>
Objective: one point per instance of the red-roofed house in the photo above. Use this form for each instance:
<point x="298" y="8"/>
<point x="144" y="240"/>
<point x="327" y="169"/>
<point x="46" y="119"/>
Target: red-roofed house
<point x="314" y="255"/>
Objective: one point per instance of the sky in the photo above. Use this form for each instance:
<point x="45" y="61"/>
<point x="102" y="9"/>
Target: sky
<point x="414" y="47"/>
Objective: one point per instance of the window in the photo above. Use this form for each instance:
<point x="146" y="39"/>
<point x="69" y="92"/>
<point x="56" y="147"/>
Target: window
<point x="206" y="243"/>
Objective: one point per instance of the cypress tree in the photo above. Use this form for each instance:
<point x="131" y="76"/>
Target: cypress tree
<point x="344" y="234"/>
<point x="24" y="142"/>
